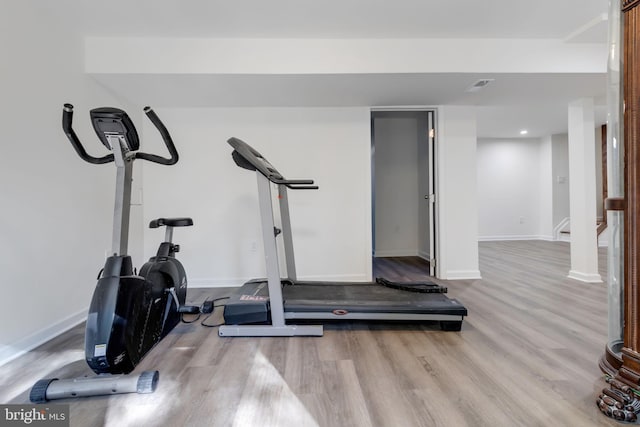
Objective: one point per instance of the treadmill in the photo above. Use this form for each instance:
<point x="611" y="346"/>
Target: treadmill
<point x="267" y="307"/>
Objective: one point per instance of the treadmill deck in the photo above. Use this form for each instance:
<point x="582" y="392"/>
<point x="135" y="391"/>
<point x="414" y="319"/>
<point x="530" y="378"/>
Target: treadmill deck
<point x="340" y="300"/>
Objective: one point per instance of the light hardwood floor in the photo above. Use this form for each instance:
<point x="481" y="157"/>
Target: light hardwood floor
<point x="527" y="355"/>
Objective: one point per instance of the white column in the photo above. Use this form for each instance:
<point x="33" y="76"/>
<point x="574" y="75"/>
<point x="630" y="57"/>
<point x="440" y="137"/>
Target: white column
<point x="546" y="188"/>
<point x="582" y="187"/>
<point x="456" y="194"/>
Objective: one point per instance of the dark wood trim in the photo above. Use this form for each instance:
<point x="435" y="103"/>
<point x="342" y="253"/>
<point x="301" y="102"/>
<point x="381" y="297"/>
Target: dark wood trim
<point x="631" y="140"/>
<point x="629" y="4"/>
<point x="629" y="372"/>
<point x="601" y="227"/>
<point x="605" y="181"/>
<point x="614" y="204"/>
<point x="611" y="361"/>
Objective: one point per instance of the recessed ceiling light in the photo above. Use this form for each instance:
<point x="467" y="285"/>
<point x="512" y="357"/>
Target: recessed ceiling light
<point x="524" y="132"/>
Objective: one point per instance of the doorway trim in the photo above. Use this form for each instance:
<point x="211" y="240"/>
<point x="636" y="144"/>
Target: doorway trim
<point x="434" y="225"/>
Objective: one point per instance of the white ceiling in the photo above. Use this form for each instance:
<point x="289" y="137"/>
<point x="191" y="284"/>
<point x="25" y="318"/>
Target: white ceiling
<point x="537" y="102"/>
<point x="555" y="19"/>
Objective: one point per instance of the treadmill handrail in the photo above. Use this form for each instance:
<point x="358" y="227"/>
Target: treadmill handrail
<point x="249" y="158"/>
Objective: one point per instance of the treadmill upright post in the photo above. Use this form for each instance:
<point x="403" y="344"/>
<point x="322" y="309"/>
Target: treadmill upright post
<point x="287" y="235"/>
<point x="270" y="251"/>
<point x="278" y="326"/>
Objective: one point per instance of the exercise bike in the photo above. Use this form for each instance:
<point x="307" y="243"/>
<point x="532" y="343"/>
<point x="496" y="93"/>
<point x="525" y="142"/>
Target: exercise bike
<point x="130" y="312"/>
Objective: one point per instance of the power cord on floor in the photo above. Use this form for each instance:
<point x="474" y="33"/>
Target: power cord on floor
<point x="207" y="307"/>
<point x="189" y="321"/>
<point x="213" y="307"/>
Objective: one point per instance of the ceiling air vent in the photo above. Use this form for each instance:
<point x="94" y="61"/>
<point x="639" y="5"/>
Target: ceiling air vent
<point x="479" y="85"/>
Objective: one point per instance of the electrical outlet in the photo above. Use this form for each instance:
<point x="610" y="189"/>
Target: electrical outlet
<point x="254" y="246"/>
<point x="521" y="220"/>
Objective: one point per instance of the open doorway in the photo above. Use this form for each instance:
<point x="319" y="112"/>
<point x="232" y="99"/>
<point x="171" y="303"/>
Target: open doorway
<point x="403" y="191"/>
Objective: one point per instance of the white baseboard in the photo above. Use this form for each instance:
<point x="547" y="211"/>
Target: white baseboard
<point x="462" y="275"/>
<point x="18" y="348"/>
<point x="513" y="237"/>
<point x="424" y="255"/>
<point x="337" y="278"/>
<point x="585" y="277"/>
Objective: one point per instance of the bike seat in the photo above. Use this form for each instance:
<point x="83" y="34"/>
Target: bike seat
<point x="171" y="222"/>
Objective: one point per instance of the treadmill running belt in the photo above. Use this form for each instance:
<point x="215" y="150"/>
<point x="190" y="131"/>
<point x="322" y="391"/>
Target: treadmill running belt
<point x="367" y="297"/>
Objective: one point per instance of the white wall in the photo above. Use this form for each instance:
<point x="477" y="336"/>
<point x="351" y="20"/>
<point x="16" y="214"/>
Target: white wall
<point x="508" y="188"/>
<point x="56" y="209"/>
<point x="457" y="217"/>
<point x="396" y="185"/>
<point x="331" y="226"/>
<point x="528" y="179"/>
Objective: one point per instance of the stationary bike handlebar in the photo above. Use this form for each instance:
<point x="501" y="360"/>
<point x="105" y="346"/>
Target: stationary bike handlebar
<point x="67" y="122"/>
<point x="165" y="137"/>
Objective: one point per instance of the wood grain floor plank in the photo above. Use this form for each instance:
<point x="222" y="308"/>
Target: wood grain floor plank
<point x="526" y="356"/>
